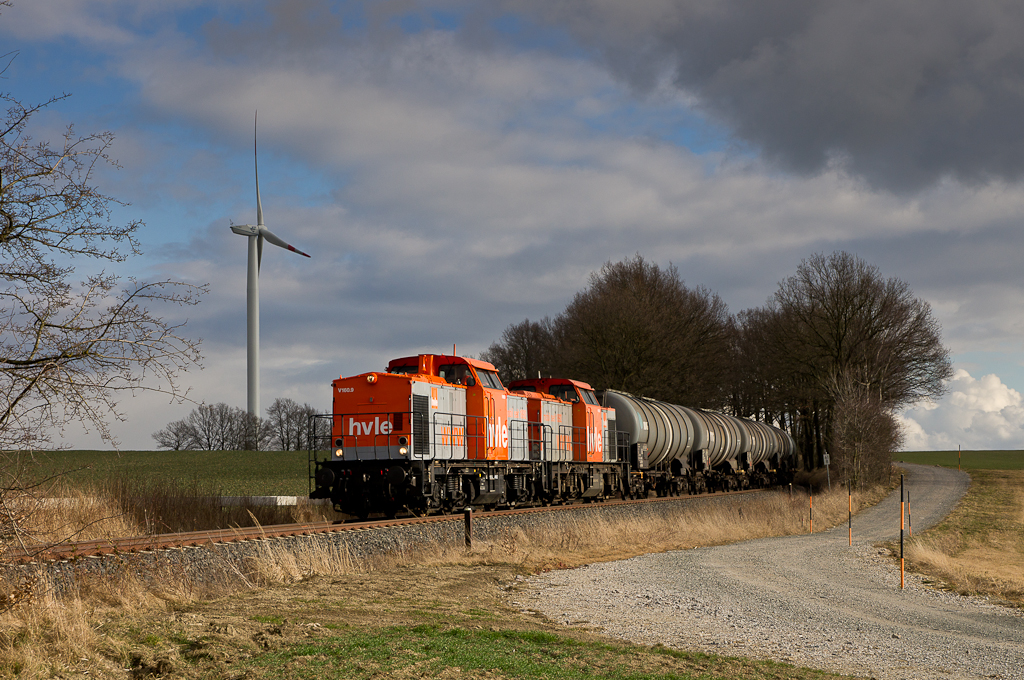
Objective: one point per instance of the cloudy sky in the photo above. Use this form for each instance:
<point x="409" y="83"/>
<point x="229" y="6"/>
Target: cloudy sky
<point x="454" y="167"/>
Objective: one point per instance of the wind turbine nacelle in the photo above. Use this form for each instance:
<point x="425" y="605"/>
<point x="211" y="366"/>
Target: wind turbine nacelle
<point x="245" y="229"/>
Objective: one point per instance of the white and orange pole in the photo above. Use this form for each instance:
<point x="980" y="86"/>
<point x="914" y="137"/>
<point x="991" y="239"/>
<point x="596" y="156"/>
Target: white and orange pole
<point x="902" y="523"/>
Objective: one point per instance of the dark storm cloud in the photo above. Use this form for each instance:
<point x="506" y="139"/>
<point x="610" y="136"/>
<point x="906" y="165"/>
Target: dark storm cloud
<point x="901" y="93"/>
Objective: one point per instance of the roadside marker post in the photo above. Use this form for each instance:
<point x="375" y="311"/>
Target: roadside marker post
<point x="849" y="489"/>
<point x="902" y="518"/>
<point x="468" y="516"/>
<point x="811" y="516"/>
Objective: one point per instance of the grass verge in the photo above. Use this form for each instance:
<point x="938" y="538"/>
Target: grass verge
<point x="432" y="650"/>
<point x="979" y="548"/>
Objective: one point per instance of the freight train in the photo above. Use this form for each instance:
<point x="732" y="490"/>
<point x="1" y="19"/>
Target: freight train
<point x="436" y="434"/>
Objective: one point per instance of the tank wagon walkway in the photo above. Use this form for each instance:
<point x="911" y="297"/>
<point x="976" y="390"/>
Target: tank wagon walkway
<point x="808" y="600"/>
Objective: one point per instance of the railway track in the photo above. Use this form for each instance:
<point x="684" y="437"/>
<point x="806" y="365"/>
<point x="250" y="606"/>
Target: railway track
<point x="157" y="542"/>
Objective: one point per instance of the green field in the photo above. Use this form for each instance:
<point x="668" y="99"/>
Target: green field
<point x="229" y="473"/>
<point x="285" y="473"/>
<point x="969" y="460"/>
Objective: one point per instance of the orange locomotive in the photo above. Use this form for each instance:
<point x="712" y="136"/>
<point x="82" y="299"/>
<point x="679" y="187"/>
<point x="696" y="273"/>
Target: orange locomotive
<point x="438" y="433"/>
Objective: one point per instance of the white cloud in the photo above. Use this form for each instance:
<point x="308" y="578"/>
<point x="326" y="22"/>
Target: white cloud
<point x="447" y="191"/>
<point x="977" y="413"/>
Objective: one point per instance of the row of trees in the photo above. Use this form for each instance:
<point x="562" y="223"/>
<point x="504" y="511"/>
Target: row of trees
<point x="831" y="357"/>
<point x="636" y="328"/>
<point x="219" y="427"/>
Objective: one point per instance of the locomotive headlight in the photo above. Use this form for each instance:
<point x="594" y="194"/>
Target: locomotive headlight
<point x="403" y="451"/>
<point x="404" y="441"/>
<point x="339" y="453"/>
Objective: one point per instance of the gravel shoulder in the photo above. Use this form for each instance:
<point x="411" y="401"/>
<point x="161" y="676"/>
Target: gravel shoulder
<point x="809" y="600"/>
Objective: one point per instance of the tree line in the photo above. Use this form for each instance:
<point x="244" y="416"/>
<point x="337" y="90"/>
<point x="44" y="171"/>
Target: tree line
<point x="831" y="357"/>
<point x="220" y="427"/>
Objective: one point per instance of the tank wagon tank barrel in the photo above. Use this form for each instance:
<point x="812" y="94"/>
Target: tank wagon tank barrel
<point x="708" y="449"/>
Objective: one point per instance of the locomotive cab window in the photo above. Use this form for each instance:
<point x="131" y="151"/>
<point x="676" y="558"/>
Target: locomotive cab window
<point x="590" y="397"/>
<point x="456" y="374"/>
<point x="564" y="392"/>
<point x="404" y="370"/>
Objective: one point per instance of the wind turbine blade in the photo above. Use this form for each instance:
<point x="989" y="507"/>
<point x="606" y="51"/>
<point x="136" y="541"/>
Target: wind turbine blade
<point x="259" y="252"/>
<point x="267" y="234"/>
<point x="256" y="164"/>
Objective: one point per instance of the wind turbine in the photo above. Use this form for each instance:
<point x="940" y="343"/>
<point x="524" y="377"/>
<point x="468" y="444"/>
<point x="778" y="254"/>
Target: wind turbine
<point x="256" y="233"/>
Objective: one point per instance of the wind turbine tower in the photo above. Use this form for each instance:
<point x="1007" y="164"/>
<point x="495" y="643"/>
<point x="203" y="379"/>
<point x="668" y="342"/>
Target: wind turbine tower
<point x="257" y="234"/>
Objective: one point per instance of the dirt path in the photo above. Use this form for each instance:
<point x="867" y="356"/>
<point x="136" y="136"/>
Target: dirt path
<point x="810" y="600"/>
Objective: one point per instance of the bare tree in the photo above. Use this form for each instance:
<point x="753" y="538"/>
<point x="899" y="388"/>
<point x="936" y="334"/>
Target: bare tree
<point x="220" y="427"/>
<point x="835" y="336"/>
<point x="638" y="328"/>
<point x="67" y="350"/>
<point x="864" y="433"/>
<point x="288" y="423"/>
<point x="843" y="318"/>
<point x="249" y="432"/>
<point x="525" y="349"/>
<point x="69" y="347"/>
<point x="177" y="436"/>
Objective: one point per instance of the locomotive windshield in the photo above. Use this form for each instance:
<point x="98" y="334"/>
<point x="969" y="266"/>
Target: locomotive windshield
<point x="404" y="370"/>
<point x="489" y="379"/>
<point x="590" y="397"/>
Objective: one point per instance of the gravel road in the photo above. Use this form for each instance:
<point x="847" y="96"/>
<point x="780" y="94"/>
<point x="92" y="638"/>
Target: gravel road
<point x="808" y="600"/>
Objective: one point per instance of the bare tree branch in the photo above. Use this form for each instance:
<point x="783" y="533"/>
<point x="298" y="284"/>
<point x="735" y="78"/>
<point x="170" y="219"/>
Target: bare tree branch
<point x="69" y="350"/>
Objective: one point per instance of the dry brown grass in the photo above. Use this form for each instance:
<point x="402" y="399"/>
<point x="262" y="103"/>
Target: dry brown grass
<point x="48" y="635"/>
<point x="979" y="548"/>
<point x="52" y="633"/>
<point x="566" y="541"/>
<point x="122" y="507"/>
<point x="74" y="515"/>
